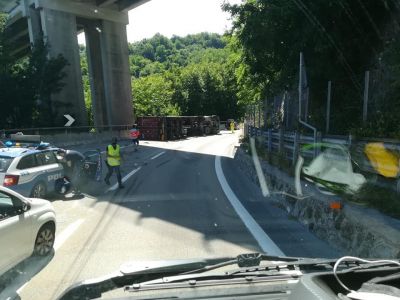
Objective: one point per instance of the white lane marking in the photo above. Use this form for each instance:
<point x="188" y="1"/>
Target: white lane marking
<point x="158" y="155"/>
<point x="265" y="242"/>
<point x="126" y="177"/>
<point x="66" y="233"/>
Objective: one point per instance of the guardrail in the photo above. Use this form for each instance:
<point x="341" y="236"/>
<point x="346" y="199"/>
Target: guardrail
<point x="63" y="130"/>
<point x="289" y="143"/>
<point x="63" y="136"/>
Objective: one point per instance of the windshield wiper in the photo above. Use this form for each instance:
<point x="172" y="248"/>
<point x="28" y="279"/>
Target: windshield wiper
<point x="211" y="279"/>
<point x="139" y="272"/>
<point x="135" y="272"/>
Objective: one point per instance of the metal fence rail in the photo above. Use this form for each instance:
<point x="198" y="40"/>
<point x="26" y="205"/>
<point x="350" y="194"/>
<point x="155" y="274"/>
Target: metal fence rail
<point x="62" y="136"/>
<point x="289" y="143"/>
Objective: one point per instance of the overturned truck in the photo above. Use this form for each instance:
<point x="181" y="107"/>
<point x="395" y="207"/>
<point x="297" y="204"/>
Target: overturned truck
<point x="177" y="127"/>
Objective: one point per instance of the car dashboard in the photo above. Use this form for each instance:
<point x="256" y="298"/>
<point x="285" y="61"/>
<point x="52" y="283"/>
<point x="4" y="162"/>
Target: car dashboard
<point x="311" y="286"/>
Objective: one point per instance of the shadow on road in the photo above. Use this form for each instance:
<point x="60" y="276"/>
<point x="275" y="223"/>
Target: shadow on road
<point x="17" y="277"/>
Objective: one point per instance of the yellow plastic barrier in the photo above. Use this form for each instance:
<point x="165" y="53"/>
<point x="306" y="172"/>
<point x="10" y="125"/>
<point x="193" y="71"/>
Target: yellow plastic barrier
<point x="385" y="162"/>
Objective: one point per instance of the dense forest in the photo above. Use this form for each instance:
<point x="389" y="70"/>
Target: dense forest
<point x="252" y="64"/>
<point x="189" y="75"/>
<point x="340" y="40"/>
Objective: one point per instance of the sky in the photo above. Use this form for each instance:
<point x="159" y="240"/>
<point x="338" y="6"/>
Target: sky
<point x="176" y="17"/>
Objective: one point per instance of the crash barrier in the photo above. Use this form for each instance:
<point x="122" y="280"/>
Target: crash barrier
<point x="290" y="143"/>
<point x="353" y="228"/>
<point x="67" y="136"/>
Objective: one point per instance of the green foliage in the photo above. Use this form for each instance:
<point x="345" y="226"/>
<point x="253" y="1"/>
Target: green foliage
<point x="189" y="75"/>
<point x="340" y="39"/>
<point x="383" y="199"/>
<point x="160" y="53"/>
<point x="26" y="84"/>
<point x="153" y="96"/>
<point x="86" y="85"/>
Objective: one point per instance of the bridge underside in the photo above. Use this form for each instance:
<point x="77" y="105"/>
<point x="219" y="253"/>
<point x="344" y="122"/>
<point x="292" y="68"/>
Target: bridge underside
<point x="57" y="23"/>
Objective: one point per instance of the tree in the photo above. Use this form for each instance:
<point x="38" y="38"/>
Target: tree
<point x="190" y="75"/>
<point x="153" y="96"/>
<point x="26" y="84"/>
<point x="339" y="38"/>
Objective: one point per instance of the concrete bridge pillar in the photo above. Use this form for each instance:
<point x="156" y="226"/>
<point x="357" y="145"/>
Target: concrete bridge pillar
<point x="57" y="22"/>
<point x="110" y="80"/>
<point x="96" y="72"/>
<point x="60" y="33"/>
<point x="117" y="78"/>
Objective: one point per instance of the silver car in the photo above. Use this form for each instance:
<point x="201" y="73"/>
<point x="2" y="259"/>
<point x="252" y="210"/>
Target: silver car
<point x="27" y="226"/>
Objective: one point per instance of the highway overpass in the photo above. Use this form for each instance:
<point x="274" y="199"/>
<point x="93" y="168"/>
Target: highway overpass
<point x="57" y="23"/>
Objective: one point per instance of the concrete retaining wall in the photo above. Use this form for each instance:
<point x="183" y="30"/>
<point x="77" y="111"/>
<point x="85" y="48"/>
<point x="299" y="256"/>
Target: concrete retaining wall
<point x="73" y="139"/>
<point x="356" y="230"/>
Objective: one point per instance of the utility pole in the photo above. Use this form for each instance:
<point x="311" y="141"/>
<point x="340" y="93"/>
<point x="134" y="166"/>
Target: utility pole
<point x="286" y="107"/>
<point x="300" y="82"/>
<point x="265" y="111"/>
<point x="366" y="95"/>
<point x="306" y="106"/>
<point x="254" y="115"/>
<point x="328" y="106"/>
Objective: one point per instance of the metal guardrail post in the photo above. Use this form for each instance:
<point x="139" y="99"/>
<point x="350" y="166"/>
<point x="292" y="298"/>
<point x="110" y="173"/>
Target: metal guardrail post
<point x="295" y="153"/>
<point x="281" y="141"/>
<point x="265" y="134"/>
<point x="269" y="140"/>
<point x="318" y="145"/>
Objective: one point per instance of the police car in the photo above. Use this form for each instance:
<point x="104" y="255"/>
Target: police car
<point x="29" y="170"/>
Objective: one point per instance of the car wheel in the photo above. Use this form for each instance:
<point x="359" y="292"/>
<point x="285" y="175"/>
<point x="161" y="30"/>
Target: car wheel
<point x="207" y="130"/>
<point x="38" y="191"/>
<point x="44" y="240"/>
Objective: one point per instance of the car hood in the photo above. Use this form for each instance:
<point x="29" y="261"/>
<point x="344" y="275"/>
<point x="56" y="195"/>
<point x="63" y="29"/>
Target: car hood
<point x="40" y="205"/>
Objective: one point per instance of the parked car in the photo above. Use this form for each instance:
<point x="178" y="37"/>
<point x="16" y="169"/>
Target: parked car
<point x="27" y="226"/>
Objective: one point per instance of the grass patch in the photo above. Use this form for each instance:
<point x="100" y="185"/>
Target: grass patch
<point x="273" y="158"/>
<point x="382" y="199"/>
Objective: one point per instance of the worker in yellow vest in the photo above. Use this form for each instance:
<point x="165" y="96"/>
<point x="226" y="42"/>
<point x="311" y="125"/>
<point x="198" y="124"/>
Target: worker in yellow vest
<point x="113" y="162"/>
<point x="232" y="126"/>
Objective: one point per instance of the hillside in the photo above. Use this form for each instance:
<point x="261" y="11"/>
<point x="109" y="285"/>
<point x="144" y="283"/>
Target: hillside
<point x="183" y="76"/>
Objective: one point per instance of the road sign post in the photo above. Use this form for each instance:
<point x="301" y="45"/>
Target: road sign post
<point x="328" y="106"/>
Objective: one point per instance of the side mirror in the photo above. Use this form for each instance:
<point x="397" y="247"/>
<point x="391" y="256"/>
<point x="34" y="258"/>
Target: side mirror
<point x="25" y="207"/>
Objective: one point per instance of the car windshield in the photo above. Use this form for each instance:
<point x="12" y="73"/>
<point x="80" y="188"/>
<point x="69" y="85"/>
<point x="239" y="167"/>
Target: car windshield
<point x="194" y="129"/>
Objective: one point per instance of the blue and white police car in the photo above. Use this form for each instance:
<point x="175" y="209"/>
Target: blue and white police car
<point x="30" y="171"/>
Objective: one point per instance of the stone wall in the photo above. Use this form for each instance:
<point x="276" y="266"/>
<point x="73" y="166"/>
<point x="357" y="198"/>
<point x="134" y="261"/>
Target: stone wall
<point x="356" y="230"/>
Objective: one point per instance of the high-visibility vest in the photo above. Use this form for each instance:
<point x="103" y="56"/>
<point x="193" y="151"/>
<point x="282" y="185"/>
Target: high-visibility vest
<point x="116" y="159"/>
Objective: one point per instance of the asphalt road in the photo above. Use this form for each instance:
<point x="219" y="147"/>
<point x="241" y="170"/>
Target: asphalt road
<point x="180" y="201"/>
